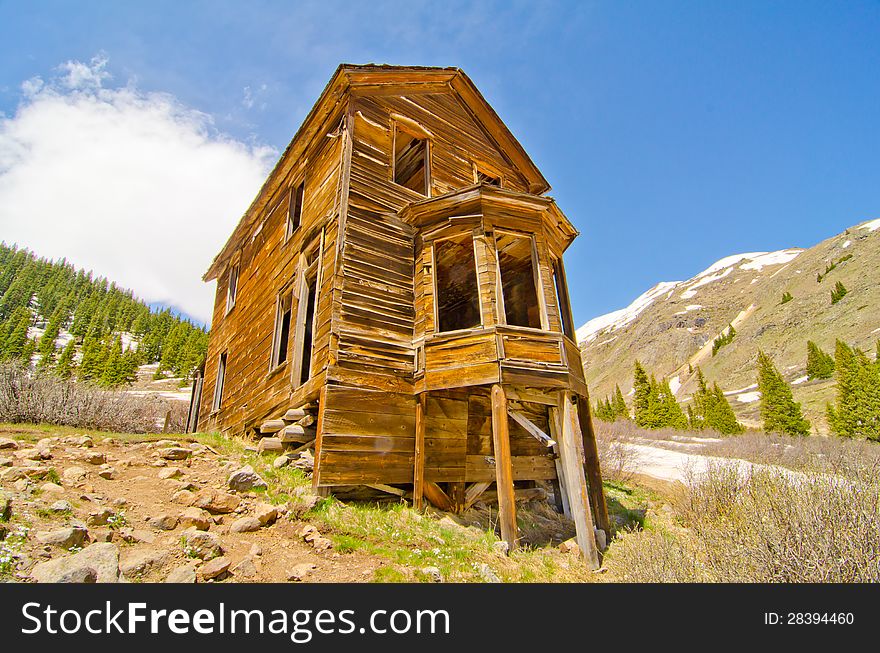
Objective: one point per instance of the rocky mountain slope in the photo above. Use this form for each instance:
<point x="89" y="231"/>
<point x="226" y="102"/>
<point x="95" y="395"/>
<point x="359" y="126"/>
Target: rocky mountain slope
<point x="671" y="327"/>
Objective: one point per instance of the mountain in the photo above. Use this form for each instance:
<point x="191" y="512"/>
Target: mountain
<point x="671" y="327"/>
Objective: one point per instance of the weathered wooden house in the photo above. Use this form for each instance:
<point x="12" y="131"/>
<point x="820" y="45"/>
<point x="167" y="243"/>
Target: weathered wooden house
<point x="395" y="298"/>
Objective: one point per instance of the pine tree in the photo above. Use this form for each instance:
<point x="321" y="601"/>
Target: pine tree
<point x="711" y="410"/>
<point x="838" y="293"/>
<point x="16" y="340"/>
<point x="94" y="356"/>
<point x="27" y="353"/>
<point x="725" y="338"/>
<point x="786" y="297"/>
<point x="116" y="368"/>
<point x="779" y="411"/>
<point x="65" y="365"/>
<point x="857" y="413"/>
<point x="619" y="404"/>
<point x="819" y="364"/>
<point x="644" y="399"/>
<point x="670" y="413"/>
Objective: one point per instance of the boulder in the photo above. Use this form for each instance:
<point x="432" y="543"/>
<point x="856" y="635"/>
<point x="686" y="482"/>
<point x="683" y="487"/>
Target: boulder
<point x="5" y="507"/>
<point x="246" y="568"/>
<point x="51" y="488"/>
<point x="432" y="573"/>
<point x="101" y="558"/>
<point x="63" y="537"/>
<point x="73" y="475"/>
<point x="61" y="506"/>
<point x="280" y="461"/>
<point x="196" y="518"/>
<point x="182" y="574"/>
<point x="169" y="472"/>
<point x="99" y="516"/>
<point x="184" y="497"/>
<point x="107" y="472"/>
<point x="300" y="571"/>
<point x="138" y="563"/>
<point x="215" y="568"/>
<point x="7" y="443"/>
<point x="164" y="522"/>
<point x="94" y="458"/>
<point x="201" y="544"/>
<point x="245" y="479"/>
<point x="215" y="501"/>
<point x="245" y="525"/>
<point x="174" y="453"/>
<point x="266" y="513"/>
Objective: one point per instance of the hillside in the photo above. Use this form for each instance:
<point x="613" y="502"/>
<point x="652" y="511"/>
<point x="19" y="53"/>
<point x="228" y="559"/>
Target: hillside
<point x="671" y="327"/>
<point x="62" y="320"/>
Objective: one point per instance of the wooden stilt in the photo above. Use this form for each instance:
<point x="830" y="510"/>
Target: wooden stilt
<point x="591" y="466"/>
<point x="319" y="433"/>
<point x="503" y="467"/>
<point x="571" y="457"/>
<point x="419" y="459"/>
<point x="456" y="492"/>
<point x="559" y="487"/>
<point x="438" y="498"/>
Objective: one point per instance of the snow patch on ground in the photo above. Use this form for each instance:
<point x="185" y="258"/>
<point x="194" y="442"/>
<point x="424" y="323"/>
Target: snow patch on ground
<point x="846" y="244"/>
<point x="617" y="319"/>
<point x="871" y="225"/>
<point x="675" y="384"/>
<point x="746" y="389"/>
<point x="800" y="379"/>
<point x="687" y="294"/>
<point x="693" y="307"/>
<point x="748" y="397"/>
<point x="759" y="262"/>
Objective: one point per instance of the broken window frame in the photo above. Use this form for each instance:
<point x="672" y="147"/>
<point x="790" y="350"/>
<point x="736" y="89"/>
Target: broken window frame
<point x="232" y="279"/>
<point x="308" y="275"/>
<point x="492" y="174"/>
<point x="436" y="290"/>
<point x="280" y="340"/>
<point x="295" y="201"/>
<point x="536" y="280"/>
<point x="417" y="134"/>
<point x="563" y="301"/>
<point x="217" y="400"/>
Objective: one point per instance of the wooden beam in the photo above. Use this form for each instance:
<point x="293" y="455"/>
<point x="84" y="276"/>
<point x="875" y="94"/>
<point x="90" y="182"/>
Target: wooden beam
<point x="301" y="448"/>
<point x="387" y="488"/>
<point x="456" y="492"/>
<point x="559" y="487"/>
<point x="503" y="467"/>
<point x="531" y="427"/>
<point x="294" y="414"/>
<point x="419" y="460"/>
<point x="319" y="436"/>
<point x="437" y="496"/>
<point x="591" y="466"/>
<point x="272" y="426"/>
<point x="575" y="482"/>
<point x="473" y="492"/>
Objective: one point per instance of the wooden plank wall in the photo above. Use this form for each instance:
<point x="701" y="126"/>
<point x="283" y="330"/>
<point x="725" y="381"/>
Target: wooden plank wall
<point x="268" y="263"/>
<point x="368" y="437"/>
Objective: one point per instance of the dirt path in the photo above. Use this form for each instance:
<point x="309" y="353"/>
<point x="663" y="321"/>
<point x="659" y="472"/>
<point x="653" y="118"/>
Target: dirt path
<point x="76" y="506"/>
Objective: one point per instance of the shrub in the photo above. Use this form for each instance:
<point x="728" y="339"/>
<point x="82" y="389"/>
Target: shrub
<point x="26" y="397"/>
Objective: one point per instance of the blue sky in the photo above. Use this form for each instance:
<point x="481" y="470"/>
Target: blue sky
<point x="673" y="133"/>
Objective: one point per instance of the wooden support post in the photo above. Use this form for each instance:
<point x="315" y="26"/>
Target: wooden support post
<point x="319" y="436"/>
<point x="503" y="467"/>
<point x="419" y="458"/>
<point x="591" y="467"/>
<point x="559" y="487"/>
<point x="571" y="457"/>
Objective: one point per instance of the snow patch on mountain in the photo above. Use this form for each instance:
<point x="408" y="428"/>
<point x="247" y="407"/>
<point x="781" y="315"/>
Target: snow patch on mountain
<point x="620" y="318"/>
<point x="871" y="225"/>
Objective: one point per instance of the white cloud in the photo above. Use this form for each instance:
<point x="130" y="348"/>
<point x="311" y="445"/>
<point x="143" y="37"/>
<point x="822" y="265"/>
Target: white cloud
<point x="133" y="185"/>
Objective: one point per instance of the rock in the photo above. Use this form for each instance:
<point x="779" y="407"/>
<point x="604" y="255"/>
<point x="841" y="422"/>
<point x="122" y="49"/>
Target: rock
<point x="174" y="453"/>
<point x="184" y="497"/>
<point x="245" y="525"/>
<point x="215" y="501"/>
<point x="487" y="575"/>
<point x="5" y="462"/>
<point x="99" y="517"/>
<point x="63" y="537"/>
<point x="51" y="488"/>
<point x="246" y="568"/>
<point x="215" y="568"/>
<point x="182" y="574"/>
<point x="305" y="462"/>
<point x="137" y="535"/>
<point x="138" y="563"/>
<point x="280" y="461"/>
<point x="7" y="443"/>
<point x="94" y="458"/>
<point x="21" y="485"/>
<point x="107" y="473"/>
<point x="33" y="454"/>
<point x="433" y="573"/>
<point x="569" y="546"/>
<point x="601" y="539"/>
<point x="266" y="513"/>
<point x="196" y="518"/>
<point x="304" y="503"/>
<point x="169" y="472"/>
<point x="300" y="571"/>
<point x="61" y="506"/>
<point x="79" y="575"/>
<point x="245" y="479"/>
<point x="11" y="474"/>
<point x="101" y="535"/>
<point x="102" y="558"/>
<point x="309" y="533"/>
<point x="73" y="475"/>
<point x="119" y="502"/>
<point x="85" y="441"/>
<point x="5" y="507"/>
<point x="165" y="522"/>
<point x="201" y="544"/>
<point x="501" y="548"/>
<point x="256" y="550"/>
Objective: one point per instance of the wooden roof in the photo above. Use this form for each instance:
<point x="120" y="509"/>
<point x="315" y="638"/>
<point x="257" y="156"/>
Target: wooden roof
<point x="353" y="80"/>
